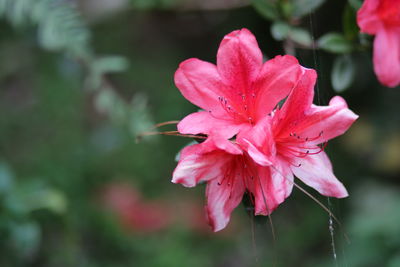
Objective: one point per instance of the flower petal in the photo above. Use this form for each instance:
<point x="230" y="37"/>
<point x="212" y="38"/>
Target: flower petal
<point x="258" y="142"/>
<point x="222" y="199"/>
<point x="200" y="163"/>
<point x="367" y="17"/>
<point x="239" y="59"/>
<point x="322" y="123"/>
<point x="272" y="186"/>
<point x="205" y="161"/>
<point x="387" y="56"/>
<point x="316" y="172"/>
<point x="205" y="123"/>
<point x="200" y="83"/>
<point x="299" y="100"/>
<point x="276" y="79"/>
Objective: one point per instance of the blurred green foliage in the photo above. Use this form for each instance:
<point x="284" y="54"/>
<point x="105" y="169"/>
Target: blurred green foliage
<point x="75" y="90"/>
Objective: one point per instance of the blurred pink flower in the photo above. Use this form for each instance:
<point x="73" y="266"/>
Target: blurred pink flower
<point x="382" y="18"/>
<point x="238" y="91"/>
<point x="229" y="173"/>
<point x="132" y="211"/>
<point x="289" y="139"/>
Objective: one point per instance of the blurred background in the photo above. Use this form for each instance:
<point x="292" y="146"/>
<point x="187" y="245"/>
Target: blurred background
<point x="79" y="79"/>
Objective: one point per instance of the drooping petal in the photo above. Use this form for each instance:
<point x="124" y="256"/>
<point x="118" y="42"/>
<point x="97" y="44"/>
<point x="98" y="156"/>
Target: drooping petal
<point x="386" y="56"/>
<point x="200" y="83"/>
<point x="205" y="123"/>
<point x="367" y="17"/>
<point x="256" y="154"/>
<point x="272" y="186"/>
<point x="316" y="172"/>
<point x="200" y="163"/>
<point x="225" y="145"/>
<point x="239" y="59"/>
<point x="322" y="123"/>
<point x="222" y="199"/>
<point x="276" y="79"/>
<point x="259" y="143"/>
<point x="299" y="100"/>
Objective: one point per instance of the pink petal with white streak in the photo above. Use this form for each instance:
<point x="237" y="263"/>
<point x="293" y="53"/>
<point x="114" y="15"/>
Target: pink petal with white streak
<point x="200" y="163"/>
<point x="316" y="172"/>
<point x="272" y="186"/>
<point x="222" y="199"/>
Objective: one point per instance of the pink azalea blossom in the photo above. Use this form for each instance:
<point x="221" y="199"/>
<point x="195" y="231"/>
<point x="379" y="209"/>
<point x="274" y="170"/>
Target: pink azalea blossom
<point x="382" y="18"/>
<point x="229" y="173"/>
<point x="238" y="91"/>
<point x="240" y="99"/>
<point x="290" y="137"/>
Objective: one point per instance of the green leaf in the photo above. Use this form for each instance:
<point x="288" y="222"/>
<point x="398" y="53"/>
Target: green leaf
<point x="356" y="4"/>
<point x="280" y="30"/>
<point x="300" y="36"/>
<point x="139" y="116"/>
<point x="111" y="64"/>
<point x="342" y="75"/>
<point x="46" y="198"/>
<point x="301" y="8"/>
<point x="109" y="103"/>
<point x="267" y="8"/>
<point x="334" y="43"/>
<point x="350" y="27"/>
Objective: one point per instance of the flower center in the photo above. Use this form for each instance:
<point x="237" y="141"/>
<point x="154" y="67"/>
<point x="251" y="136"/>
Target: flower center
<point x="296" y="146"/>
<point x="240" y="167"/>
<point x="240" y="109"/>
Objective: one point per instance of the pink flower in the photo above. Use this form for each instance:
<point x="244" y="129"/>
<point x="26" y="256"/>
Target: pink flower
<point x="382" y="18"/>
<point x="289" y="138"/>
<point x="238" y="91"/>
<point x="229" y="173"/>
<point x="132" y="211"/>
<point x="240" y="97"/>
